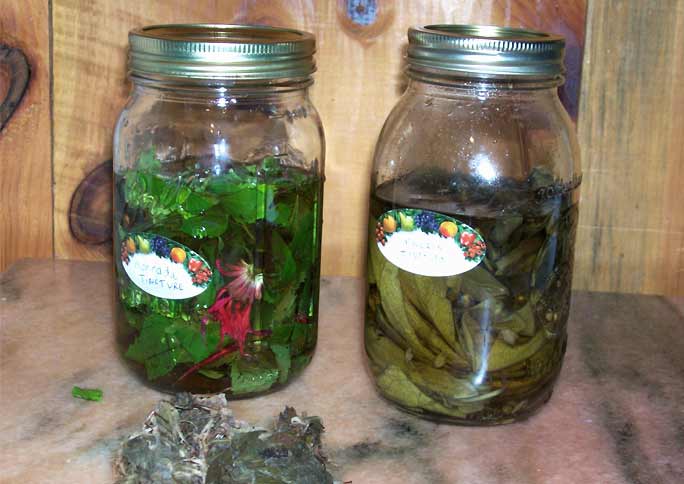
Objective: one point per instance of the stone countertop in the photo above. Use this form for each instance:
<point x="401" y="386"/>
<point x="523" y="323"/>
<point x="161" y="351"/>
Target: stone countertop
<point x="617" y="415"/>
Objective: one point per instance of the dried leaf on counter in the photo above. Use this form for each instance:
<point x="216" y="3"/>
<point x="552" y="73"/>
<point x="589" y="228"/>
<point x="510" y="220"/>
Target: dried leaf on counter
<point x="196" y="440"/>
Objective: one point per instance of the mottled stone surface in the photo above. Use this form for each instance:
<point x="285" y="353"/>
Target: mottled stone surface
<point x="617" y="415"/>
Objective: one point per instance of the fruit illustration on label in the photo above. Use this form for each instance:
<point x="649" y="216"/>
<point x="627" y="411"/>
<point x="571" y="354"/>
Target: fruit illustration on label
<point x="467" y="238"/>
<point x="186" y="273"/>
<point x="194" y="265"/>
<point x="380" y="234"/>
<point x="428" y="243"/>
<point x="130" y="245"/>
<point x="406" y="222"/>
<point x="389" y="224"/>
<point x="448" y="229"/>
<point x="178" y="255"/>
<point x="124" y="253"/>
<point x="143" y="244"/>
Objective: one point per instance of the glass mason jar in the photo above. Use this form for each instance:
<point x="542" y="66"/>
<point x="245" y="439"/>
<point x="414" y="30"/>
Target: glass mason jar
<point x="473" y="215"/>
<point x="218" y="165"/>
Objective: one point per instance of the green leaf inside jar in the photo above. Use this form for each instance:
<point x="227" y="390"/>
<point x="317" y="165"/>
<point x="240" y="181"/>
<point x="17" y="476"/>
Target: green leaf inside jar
<point x="259" y="219"/>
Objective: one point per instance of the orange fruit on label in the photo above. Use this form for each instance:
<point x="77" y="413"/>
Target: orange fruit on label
<point x="389" y="225"/>
<point x="177" y="255"/>
<point x="448" y="229"/>
<point x="130" y="245"/>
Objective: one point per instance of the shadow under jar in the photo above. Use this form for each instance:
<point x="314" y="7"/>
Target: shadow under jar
<point x="473" y="216"/>
<point x="218" y="164"/>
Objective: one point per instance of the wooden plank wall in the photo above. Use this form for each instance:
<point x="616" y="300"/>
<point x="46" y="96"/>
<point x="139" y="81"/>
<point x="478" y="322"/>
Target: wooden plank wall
<point x="358" y="81"/>
<point x="631" y="234"/>
<point x="630" y="237"/>
<point x="25" y="138"/>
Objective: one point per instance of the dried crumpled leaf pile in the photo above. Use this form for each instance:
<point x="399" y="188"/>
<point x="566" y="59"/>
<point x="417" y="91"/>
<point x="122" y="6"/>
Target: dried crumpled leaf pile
<point x="195" y="440"/>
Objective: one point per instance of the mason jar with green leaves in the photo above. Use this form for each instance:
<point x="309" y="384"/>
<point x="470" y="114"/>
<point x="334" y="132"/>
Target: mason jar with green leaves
<point x="218" y="166"/>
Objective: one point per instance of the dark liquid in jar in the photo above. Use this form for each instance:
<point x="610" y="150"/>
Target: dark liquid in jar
<point x="509" y="313"/>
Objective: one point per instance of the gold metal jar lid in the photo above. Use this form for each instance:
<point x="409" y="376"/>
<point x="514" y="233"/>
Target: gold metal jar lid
<point x="485" y="51"/>
<point x="220" y="52"/>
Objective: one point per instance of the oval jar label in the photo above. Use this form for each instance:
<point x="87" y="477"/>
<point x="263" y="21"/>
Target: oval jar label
<point x="428" y="243"/>
<point x="164" y="268"/>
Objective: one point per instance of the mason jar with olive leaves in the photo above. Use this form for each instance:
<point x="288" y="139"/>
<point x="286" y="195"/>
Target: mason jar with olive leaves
<point x="473" y="214"/>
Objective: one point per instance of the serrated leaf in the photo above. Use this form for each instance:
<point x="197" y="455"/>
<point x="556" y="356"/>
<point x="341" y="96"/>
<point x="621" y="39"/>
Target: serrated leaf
<point x="196" y="203"/>
<point x="159" y="365"/>
<point x="211" y="224"/>
<point x="156" y="346"/>
<point x="503" y="355"/>
<point x="283" y="359"/>
<point x="285" y="307"/>
<point x="278" y="213"/>
<point x="251" y="379"/>
<point x="485" y="349"/>
<point x="198" y="345"/>
<point x="300" y="337"/>
<point x="227" y="183"/>
<point x="281" y="333"/>
<point x="246" y="202"/>
<point x="300" y="362"/>
<point x="148" y="161"/>
<point x="283" y="259"/>
<point x="151" y="340"/>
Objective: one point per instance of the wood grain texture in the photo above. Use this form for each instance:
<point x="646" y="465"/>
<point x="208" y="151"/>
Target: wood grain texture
<point x="631" y="234"/>
<point x="25" y="140"/>
<point x="360" y="49"/>
<point x="90" y="209"/>
<point x="90" y="88"/>
<point x="360" y="79"/>
<point x="15" y="74"/>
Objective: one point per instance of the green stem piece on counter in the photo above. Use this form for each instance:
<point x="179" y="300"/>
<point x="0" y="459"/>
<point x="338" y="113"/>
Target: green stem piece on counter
<point x="92" y="394"/>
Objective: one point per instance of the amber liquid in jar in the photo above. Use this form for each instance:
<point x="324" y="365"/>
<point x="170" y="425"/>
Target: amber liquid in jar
<point x="500" y="358"/>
